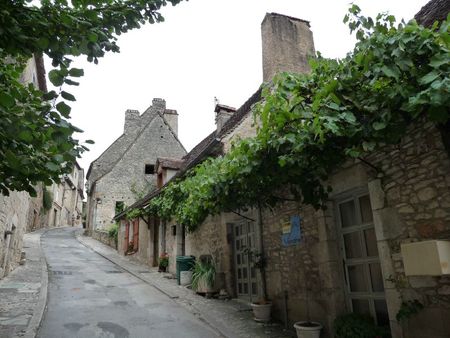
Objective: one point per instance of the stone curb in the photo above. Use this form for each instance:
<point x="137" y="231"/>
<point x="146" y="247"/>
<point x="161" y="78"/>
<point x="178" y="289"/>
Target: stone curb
<point x="197" y="312"/>
<point x="38" y="313"/>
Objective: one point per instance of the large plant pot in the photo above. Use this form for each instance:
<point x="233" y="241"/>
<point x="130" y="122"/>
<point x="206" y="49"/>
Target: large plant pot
<point x="203" y="287"/>
<point x="261" y="312"/>
<point x="308" y="329"/>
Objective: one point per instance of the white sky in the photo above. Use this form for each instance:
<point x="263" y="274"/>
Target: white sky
<point x="205" y="48"/>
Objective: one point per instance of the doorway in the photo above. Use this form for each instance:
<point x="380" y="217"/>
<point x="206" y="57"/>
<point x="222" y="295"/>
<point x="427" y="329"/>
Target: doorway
<point x="362" y="270"/>
<point x="244" y="248"/>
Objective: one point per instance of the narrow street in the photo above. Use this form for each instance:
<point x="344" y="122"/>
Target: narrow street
<point x="88" y="296"/>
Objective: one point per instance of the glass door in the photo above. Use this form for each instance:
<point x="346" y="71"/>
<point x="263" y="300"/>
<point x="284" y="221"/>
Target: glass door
<point x="364" y="279"/>
<point x="244" y="249"/>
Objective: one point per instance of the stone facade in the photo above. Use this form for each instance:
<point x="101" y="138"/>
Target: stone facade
<point x="398" y="194"/>
<point x="67" y="195"/>
<point x="19" y="212"/>
<point x="119" y="174"/>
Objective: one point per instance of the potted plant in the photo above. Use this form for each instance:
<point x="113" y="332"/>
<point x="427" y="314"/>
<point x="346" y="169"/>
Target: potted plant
<point x="263" y="307"/>
<point x="308" y="328"/>
<point x="261" y="310"/>
<point x="204" y="275"/>
<point x="163" y="262"/>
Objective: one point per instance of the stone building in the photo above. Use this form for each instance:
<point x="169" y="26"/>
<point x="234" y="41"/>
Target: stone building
<point x="353" y="257"/>
<point x="126" y="170"/>
<point x="19" y="212"/>
<point x="67" y="199"/>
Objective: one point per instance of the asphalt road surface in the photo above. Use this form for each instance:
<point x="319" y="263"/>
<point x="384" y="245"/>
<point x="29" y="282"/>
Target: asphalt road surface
<point x="88" y="296"/>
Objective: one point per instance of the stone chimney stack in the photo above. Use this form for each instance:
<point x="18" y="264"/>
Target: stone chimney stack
<point x="171" y="117"/>
<point x="223" y="113"/>
<point x="158" y="103"/>
<point x="287" y="43"/>
<point x="131" y="121"/>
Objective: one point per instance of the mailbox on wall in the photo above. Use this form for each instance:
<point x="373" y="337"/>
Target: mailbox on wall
<point x="427" y="258"/>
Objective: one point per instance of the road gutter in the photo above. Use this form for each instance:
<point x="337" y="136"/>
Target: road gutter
<point x="39" y="310"/>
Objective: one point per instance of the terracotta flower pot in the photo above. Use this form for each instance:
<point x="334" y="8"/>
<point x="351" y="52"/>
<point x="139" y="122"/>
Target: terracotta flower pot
<point x="308" y="329"/>
<point x="261" y="312"/>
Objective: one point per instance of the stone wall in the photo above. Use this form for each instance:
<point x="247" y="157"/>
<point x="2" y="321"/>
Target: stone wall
<point x="103" y="236"/>
<point x="13" y="218"/>
<point x="211" y="239"/>
<point x="411" y="202"/>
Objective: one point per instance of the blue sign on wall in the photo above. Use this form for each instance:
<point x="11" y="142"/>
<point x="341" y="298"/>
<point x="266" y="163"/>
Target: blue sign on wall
<point x="291" y="231"/>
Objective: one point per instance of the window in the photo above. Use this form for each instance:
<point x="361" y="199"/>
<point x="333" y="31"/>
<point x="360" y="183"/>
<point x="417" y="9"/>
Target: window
<point x="119" y="207"/>
<point x="149" y="169"/>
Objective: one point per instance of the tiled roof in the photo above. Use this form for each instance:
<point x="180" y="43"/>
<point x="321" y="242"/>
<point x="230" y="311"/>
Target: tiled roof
<point x="435" y="10"/>
<point x="220" y="107"/>
<point x="171" y="163"/>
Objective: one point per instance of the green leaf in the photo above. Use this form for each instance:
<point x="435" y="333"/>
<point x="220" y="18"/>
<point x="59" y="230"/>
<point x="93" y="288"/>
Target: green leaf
<point x="26" y="136"/>
<point x="379" y="125"/>
<point x="71" y="83"/>
<point x="92" y="37"/>
<point x="63" y="108"/>
<point x="438" y="61"/>
<point x="390" y="71"/>
<point x="68" y="96"/>
<point x="76" y="72"/>
<point x="89" y="141"/>
<point x="6" y="100"/>
<point x="55" y="77"/>
<point x="49" y="96"/>
<point x="43" y="43"/>
<point x="430" y="77"/>
<point x="52" y="166"/>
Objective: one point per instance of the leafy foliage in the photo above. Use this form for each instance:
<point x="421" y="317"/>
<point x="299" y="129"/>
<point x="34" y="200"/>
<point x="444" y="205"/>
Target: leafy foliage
<point x="47" y="200"/>
<point x="310" y="124"/>
<point x="204" y="274"/>
<point x="354" y="325"/>
<point x="408" y="309"/>
<point x="163" y="261"/>
<point x="113" y="231"/>
<point x="36" y="138"/>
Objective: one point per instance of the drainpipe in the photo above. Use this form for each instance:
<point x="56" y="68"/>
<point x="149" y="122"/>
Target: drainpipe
<point x="263" y="255"/>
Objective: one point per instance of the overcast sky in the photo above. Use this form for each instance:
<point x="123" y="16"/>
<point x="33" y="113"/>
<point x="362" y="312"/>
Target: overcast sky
<point x="205" y="48"/>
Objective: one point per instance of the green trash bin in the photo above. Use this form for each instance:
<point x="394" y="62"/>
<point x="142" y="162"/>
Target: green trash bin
<point x="184" y="263"/>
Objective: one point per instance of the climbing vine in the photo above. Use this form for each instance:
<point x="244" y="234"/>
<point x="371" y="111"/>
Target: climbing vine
<point x="310" y="124"/>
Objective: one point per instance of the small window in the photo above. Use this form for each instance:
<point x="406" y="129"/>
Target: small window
<point x="149" y="169"/>
<point x="120" y="206"/>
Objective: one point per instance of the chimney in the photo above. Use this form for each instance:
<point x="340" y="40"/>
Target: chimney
<point x="131" y="121"/>
<point x="287" y="43"/>
<point x="159" y="104"/>
<point x="171" y="117"/>
<point x="223" y="113"/>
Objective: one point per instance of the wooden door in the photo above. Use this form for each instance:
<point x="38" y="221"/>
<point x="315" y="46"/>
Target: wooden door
<point x="155" y="241"/>
<point x="244" y="249"/>
<point x="135" y="235"/>
<point x="127" y="236"/>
